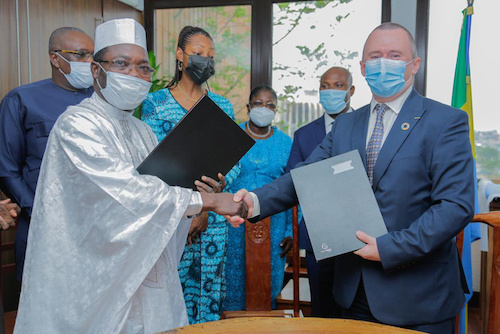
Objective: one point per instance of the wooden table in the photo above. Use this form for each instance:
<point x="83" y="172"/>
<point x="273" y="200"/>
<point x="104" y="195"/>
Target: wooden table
<point x="289" y="325"/>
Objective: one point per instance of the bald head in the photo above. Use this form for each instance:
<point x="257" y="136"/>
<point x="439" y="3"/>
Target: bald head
<point x="340" y="79"/>
<point x="392" y="42"/>
<point x="338" y="73"/>
<point x="394" y="26"/>
<point x="66" y="45"/>
<point x="58" y="36"/>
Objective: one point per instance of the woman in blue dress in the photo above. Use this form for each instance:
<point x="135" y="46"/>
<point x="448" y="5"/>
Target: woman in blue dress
<point x="263" y="163"/>
<point x="202" y="266"/>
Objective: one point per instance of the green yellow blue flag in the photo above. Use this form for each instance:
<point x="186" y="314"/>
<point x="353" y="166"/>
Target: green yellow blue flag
<point x="462" y="99"/>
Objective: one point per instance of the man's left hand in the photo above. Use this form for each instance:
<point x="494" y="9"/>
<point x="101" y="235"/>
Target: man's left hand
<point x="370" y="250"/>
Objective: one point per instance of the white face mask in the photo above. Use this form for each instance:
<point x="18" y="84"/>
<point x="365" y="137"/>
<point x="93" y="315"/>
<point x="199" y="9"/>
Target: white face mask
<point x="261" y="116"/>
<point x="123" y="91"/>
<point x="80" y="76"/>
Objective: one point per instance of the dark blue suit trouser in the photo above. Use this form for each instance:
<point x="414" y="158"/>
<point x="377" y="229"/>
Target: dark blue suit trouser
<point x="21" y="244"/>
<point x="360" y="310"/>
<point x="321" y="286"/>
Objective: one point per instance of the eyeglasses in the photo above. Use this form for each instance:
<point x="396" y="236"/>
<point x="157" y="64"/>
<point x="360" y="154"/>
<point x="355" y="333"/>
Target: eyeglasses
<point x="258" y="104"/>
<point x="80" y="55"/>
<point x="125" y="67"/>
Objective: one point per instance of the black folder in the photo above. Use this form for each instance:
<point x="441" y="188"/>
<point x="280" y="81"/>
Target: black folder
<point x="204" y="142"/>
<point x="337" y="200"/>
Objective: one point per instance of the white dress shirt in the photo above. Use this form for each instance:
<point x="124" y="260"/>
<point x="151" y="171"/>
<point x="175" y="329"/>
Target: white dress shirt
<point x="390" y="115"/>
<point x="329" y="121"/>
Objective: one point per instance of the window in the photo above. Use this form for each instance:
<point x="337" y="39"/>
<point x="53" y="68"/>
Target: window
<point x="303" y="38"/>
<point x="229" y="27"/>
<point x="445" y="22"/>
<point x="309" y="37"/>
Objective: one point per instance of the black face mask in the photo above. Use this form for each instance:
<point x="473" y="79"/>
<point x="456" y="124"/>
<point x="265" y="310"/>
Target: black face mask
<point x="200" y="68"/>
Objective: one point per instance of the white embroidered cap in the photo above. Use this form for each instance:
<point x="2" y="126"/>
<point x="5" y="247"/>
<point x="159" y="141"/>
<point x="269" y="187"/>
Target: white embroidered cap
<point x="119" y="31"/>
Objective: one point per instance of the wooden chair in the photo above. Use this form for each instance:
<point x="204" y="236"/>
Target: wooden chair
<point x="491" y="324"/>
<point x="6" y="246"/>
<point x="258" y="271"/>
<point x="285" y="299"/>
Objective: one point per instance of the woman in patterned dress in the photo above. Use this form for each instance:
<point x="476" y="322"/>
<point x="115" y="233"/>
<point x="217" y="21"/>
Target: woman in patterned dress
<point x="263" y="163"/>
<point x="202" y="266"/>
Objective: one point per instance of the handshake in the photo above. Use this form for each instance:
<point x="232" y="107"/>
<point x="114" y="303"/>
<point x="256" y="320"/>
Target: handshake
<point x="235" y="208"/>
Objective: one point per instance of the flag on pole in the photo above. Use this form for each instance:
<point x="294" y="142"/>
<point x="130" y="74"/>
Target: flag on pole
<point x="462" y="99"/>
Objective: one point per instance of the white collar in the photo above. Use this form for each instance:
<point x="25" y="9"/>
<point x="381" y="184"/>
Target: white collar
<point x="395" y="105"/>
<point x="329" y="119"/>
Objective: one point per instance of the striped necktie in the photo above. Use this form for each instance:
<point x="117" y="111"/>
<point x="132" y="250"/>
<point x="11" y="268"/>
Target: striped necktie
<point x="375" y="142"/>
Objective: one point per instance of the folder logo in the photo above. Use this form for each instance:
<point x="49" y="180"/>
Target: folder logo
<point x="325" y="248"/>
<point x="342" y="167"/>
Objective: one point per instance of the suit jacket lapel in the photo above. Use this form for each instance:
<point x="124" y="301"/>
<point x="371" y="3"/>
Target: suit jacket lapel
<point x="408" y="117"/>
<point x="358" y="134"/>
<point x="320" y="131"/>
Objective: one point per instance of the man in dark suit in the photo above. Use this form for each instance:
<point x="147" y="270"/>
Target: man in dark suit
<point x="336" y="90"/>
<point x="27" y="114"/>
<point x="418" y="158"/>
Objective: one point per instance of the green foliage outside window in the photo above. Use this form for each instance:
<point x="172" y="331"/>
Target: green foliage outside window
<point x="291" y="15"/>
<point x="487" y="154"/>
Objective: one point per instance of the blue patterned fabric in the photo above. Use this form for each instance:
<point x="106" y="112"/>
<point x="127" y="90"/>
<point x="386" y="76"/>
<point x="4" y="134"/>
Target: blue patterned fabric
<point x="202" y="266"/>
<point x="375" y="142"/>
<point x="263" y="163"/>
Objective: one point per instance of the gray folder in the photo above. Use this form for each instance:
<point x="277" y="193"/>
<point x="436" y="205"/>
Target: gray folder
<point x="337" y="200"/>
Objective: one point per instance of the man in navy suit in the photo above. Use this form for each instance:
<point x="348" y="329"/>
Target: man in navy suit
<point x="418" y="158"/>
<point x="27" y="114"/>
<point x="336" y="90"/>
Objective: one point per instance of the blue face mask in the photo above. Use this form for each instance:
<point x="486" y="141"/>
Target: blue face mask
<point x="333" y="100"/>
<point x="386" y="77"/>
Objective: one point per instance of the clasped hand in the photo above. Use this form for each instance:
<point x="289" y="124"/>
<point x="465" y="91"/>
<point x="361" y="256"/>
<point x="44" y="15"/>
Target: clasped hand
<point x="8" y="213"/>
<point x="218" y="202"/>
<point x="243" y="197"/>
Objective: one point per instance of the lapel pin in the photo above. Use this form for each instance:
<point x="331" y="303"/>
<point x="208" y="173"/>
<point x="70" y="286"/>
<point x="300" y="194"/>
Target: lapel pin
<point x="405" y="126"/>
<point x="416" y="117"/>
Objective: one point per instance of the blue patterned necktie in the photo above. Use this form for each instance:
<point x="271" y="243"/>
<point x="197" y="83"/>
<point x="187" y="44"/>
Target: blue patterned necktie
<point x="375" y="142"/>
